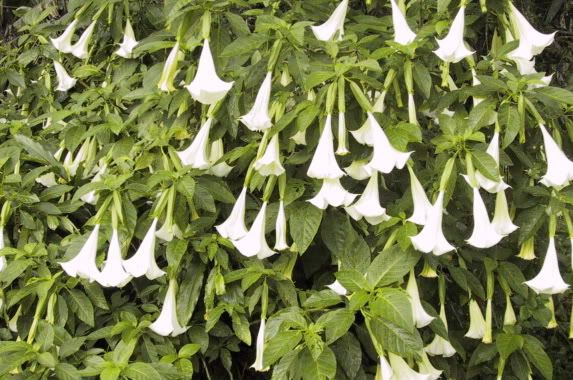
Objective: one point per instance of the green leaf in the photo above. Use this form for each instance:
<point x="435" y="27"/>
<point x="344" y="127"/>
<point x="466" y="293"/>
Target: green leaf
<point x="244" y="45"/>
<point x="508" y="343"/>
<point x="279" y="345"/>
<point x="304" y="221"/>
<point x="395" y="338"/>
<point x="241" y="327"/>
<point x="560" y="95"/>
<point x="318" y="77"/>
<point x="189" y="291"/>
<point x="536" y="354"/>
<point x="422" y="79"/>
<point x="510" y="122"/>
<point x="66" y="371"/>
<point x="322" y="300"/>
<point x="352" y="280"/>
<point x="485" y="164"/>
<point x="82" y="306"/>
<point x="394" y="306"/>
<point x="36" y="150"/>
<point x="391" y="265"/>
<point x="140" y="371"/>
<point x="336" y="323"/>
<point x="323" y="368"/>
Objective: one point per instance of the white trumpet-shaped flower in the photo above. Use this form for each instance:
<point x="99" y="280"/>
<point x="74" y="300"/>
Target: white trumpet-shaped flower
<point x="358" y="170"/>
<point x="342" y="148"/>
<point x="143" y="262"/>
<point x="335" y="23"/>
<point x="217" y="151"/>
<point x="165" y="83"/>
<point x="234" y="227"/>
<point x="207" y="87"/>
<point x="113" y="274"/>
<point x="452" y="48"/>
<point x="559" y="167"/>
<point x="258" y="118"/>
<point x="426" y="368"/>
<point x="323" y="164"/>
<point x="92" y="197"/>
<point x="167" y="323"/>
<point x="402" y="370"/>
<point x="260" y="348"/>
<point x="501" y="220"/>
<point x="169" y="230"/>
<point x="440" y="346"/>
<point x="365" y="134"/>
<point x="422" y="206"/>
<point x="403" y="35"/>
<point x="254" y="242"/>
<point x="332" y="193"/>
<point x="270" y="162"/>
<point x="129" y="42"/>
<point x="484" y="234"/>
<point x="64" y="42"/>
<point x="385" y="370"/>
<point x="337" y="288"/>
<point x="65" y="81"/>
<point x="197" y="154"/>
<point x="485" y="183"/>
<point x="368" y="205"/>
<point x="2" y="258"/>
<point x="281" y="229"/>
<point x="80" y="48"/>
<point x="385" y="157"/>
<point x="548" y="280"/>
<point x="531" y="42"/>
<point x="477" y="322"/>
<point x="431" y="238"/>
<point x="421" y="317"/>
<point x="83" y="265"/>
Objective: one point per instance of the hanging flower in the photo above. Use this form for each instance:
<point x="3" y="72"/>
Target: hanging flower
<point x="501" y="220"/>
<point x="527" y="250"/>
<point x="167" y="323"/>
<point x="169" y="70"/>
<point x="385" y="157"/>
<point x="83" y="265"/>
<point x="258" y="119"/>
<point x="337" y="288"/>
<point x="254" y="242"/>
<point x="196" y="155"/>
<point x="403" y="35"/>
<point x="260" y="349"/>
<point x="365" y="134"/>
<point x="384" y="372"/>
<point x="368" y="205"/>
<point x="143" y="262"/>
<point x="421" y="318"/>
<point x="80" y="48"/>
<point x="440" y="346"/>
<point x="113" y="274"/>
<point x="559" y="167"/>
<point x="207" y="87"/>
<point x="358" y="170"/>
<point x="548" y="280"/>
<point x="332" y="193"/>
<point x="169" y="230"/>
<point x="335" y="23"/>
<point x="431" y="238"/>
<point x="452" y="48"/>
<point x="323" y="164"/>
<point x="484" y="234"/>
<point x="342" y="136"/>
<point x="402" y="370"/>
<point x="281" y="229"/>
<point x="215" y="153"/>
<point x="485" y="183"/>
<point x="426" y="368"/>
<point x="64" y="42"/>
<point x="477" y="322"/>
<point x="65" y="81"/>
<point x="2" y="258"/>
<point x="92" y="197"/>
<point x="509" y="318"/>
<point x="129" y="42"/>
<point x="422" y="206"/>
<point x="531" y="42"/>
<point x="270" y="162"/>
<point x="234" y="227"/>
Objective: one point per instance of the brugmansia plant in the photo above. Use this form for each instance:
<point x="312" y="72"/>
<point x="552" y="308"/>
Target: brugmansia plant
<point x="246" y="189"/>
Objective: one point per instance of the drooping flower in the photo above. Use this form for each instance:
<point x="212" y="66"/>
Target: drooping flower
<point x="452" y="48"/>
<point x="281" y="229"/>
<point x="527" y="250"/>
<point x="531" y="42"/>
<point x="323" y="164"/>
<point x="2" y="258"/>
<point x="485" y="183"/>
<point x="332" y="193"/>
<point x="143" y="261"/>
<point x="92" y="197"/>
<point x="342" y="136"/>
<point x="385" y="157"/>
<point x="403" y="371"/>
<point x="80" y="48"/>
<point x="368" y="205"/>
<point x="113" y="274"/>
<point x="335" y="23"/>
<point x="234" y="227"/>
<point x="358" y="170"/>
<point x="422" y="205"/>
<point x="216" y="152"/>
<point x="270" y="162"/>
<point x="64" y="42"/>
<point x="254" y="242"/>
<point x="426" y="368"/>
<point x="559" y="167"/>
<point x="477" y="322"/>
<point x="365" y="134"/>
<point x="403" y="35"/>
<point x="421" y="318"/>
<point x="83" y="264"/>
<point x="169" y="230"/>
<point x="196" y="155"/>
<point x="440" y="346"/>
<point x="501" y="220"/>
<point x="129" y="42"/>
<point x="260" y="348"/>
<point x="165" y="83"/>
<point x="509" y="318"/>
<point x="167" y="323"/>
<point x="337" y="288"/>
<point x="548" y="280"/>
<point x="65" y="81"/>
<point x="431" y="238"/>
<point x="258" y="118"/>
<point x="384" y="372"/>
<point x="484" y="234"/>
<point x="207" y="87"/>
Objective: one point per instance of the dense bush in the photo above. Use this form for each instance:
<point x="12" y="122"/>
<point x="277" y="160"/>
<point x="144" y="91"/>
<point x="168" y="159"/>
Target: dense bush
<point x="118" y="150"/>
